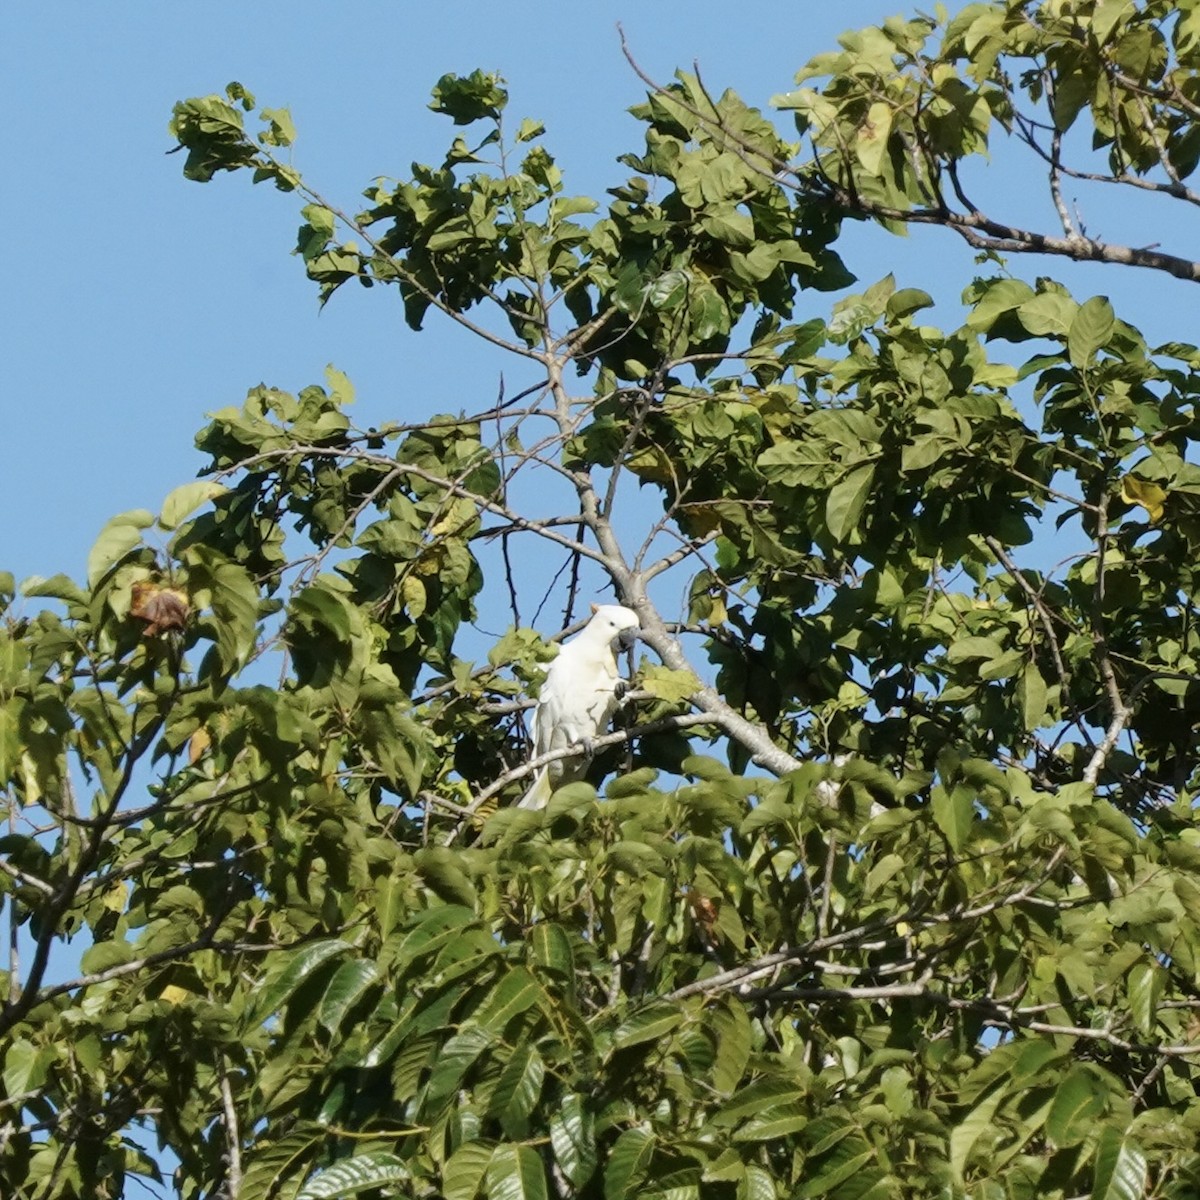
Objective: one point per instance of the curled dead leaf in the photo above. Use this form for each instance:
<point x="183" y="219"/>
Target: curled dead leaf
<point x="704" y="911"/>
<point x="162" y="608"/>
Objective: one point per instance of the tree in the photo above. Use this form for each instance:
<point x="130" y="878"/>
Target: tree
<point x="891" y="888"/>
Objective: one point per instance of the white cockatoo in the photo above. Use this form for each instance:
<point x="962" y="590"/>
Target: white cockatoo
<point x="579" y="697"/>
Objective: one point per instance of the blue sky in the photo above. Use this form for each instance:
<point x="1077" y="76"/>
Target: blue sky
<point x="135" y="301"/>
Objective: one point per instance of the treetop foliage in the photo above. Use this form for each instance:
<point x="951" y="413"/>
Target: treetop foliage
<point x="886" y="882"/>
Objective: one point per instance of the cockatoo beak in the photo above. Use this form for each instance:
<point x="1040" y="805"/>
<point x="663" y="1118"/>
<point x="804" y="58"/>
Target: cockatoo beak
<point x="626" y="639"/>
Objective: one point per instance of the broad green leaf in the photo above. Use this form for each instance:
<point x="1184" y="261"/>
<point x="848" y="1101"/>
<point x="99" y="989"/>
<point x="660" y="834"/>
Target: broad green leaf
<point x="517" y="1090"/>
<point x="183" y="501"/>
<point x="756" y="1184"/>
<point x="1078" y="1101"/>
<point x="669" y="685"/>
<point x="734" y="1036"/>
<point x="551" y="948"/>
<point x="969" y="1130"/>
<point x="849" y="1160"/>
<point x="464" y="1171"/>
<point x="1048" y="313"/>
<point x="348" y="985"/>
<point x="954" y="813"/>
<point x="773" y="1123"/>
<point x="999" y="297"/>
<point x="1032" y="694"/>
<point x="298" y="968"/>
<point x="318" y="608"/>
<point x="648" y="1025"/>
<point x="516" y="991"/>
<point x="120" y="535"/>
<point x="1121" y="1169"/>
<point x="24" y="1067"/>
<point x="1144" y="986"/>
<point x="57" y="587"/>
<point x="846" y="501"/>
<point x="431" y="929"/>
<point x="628" y="1162"/>
<point x="515" y="1173"/>
<point x="456" y="1057"/>
<point x="757" y="1096"/>
<point x="339" y="385"/>
<point x="353" y="1175"/>
<point x="1090" y="329"/>
<point x="572" y="1134"/>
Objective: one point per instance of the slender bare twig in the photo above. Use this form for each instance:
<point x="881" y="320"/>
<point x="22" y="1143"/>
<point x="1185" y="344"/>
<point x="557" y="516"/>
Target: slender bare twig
<point x="233" y="1146"/>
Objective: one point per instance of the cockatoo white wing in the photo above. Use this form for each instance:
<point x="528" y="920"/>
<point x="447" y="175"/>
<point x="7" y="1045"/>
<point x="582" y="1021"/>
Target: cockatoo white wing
<point x="578" y="697"/>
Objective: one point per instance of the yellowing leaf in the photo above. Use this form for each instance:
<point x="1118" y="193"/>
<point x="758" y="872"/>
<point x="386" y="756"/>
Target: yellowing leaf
<point x="173" y="994"/>
<point x="1149" y="495"/>
<point x="338" y="383"/>
<point x="412" y="590"/>
<point x="669" y="685"/>
<point x="197" y="744"/>
<point x="873" y="136"/>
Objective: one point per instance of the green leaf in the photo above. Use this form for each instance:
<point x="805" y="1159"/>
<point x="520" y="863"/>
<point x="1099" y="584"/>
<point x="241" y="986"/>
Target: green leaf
<point x="57" y="587"/>
<point x="846" y="1162"/>
<point x="550" y="945"/>
<point x="516" y="991"/>
<point x="907" y="301"/>
<point x="1078" y="1101"/>
<point x="1090" y="329"/>
<point x="1048" y="313"/>
<point x="648" y="1025"/>
<point x="1032" y="694"/>
<point x="295" y="971"/>
<point x="516" y="1173"/>
<point x="473" y="98"/>
<point x="734" y="1038"/>
<point x="1121" y="1170"/>
<point x="517" y="1090"/>
<point x="464" y="1170"/>
<point x="353" y="1175"/>
<point x="756" y="1184"/>
<point x="350" y="981"/>
<point x="24" y="1067"/>
<point x="627" y="1164"/>
<point x="572" y="1134"/>
<point x="759" y="1095"/>
<point x="998" y="298"/>
<point x="846" y="501"/>
<point x="116" y="539"/>
<point x="183" y="501"/>
<point x="773" y="1123"/>
<point x="669" y="685"/>
<point x="457" y="1056"/>
<point x="281" y="131"/>
<point x="954" y="813"/>
<point x="968" y="1131"/>
<point x="318" y="608"/>
<point x="1144" y="986"/>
